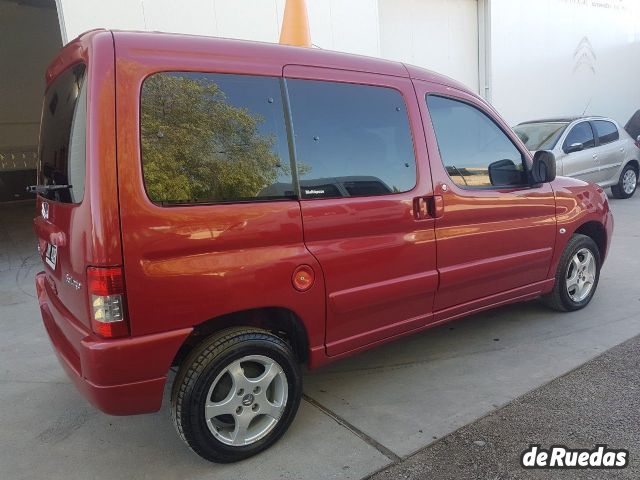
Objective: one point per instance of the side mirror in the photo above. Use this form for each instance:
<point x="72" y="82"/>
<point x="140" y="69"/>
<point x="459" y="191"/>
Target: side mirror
<point x="544" y="167"/>
<point x="504" y="173"/>
<point x="574" y="147"/>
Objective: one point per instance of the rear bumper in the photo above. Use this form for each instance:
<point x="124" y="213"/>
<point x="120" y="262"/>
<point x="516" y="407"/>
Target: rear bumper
<point x="120" y="376"/>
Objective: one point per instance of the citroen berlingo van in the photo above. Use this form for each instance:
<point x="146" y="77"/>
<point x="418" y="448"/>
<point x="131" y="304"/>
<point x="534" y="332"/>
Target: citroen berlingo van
<point x="237" y="210"/>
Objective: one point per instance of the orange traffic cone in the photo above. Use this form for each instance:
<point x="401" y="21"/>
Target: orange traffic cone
<point x="295" y="24"/>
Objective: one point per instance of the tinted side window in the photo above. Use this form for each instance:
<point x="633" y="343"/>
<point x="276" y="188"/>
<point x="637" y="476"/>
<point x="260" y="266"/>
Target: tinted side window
<point x="581" y="133"/>
<point x="351" y="140"/>
<point x="213" y="138"/>
<point x="62" y="152"/>
<point x="474" y="150"/>
<point x="633" y="125"/>
<point x="607" y="132"/>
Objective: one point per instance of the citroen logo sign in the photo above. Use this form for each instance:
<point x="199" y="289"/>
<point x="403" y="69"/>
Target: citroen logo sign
<point x="584" y="56"/>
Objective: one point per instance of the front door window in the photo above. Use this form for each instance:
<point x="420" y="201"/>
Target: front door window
<point x="475" y="151"/>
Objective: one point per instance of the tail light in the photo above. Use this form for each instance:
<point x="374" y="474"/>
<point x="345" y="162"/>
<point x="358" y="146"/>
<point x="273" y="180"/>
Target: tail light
<point x="107" y="301"/>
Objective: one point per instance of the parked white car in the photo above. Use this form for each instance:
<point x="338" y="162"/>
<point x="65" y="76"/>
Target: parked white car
<point x="594" y="149"/>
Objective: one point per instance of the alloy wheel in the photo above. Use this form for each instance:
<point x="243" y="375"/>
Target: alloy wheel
<point x="629" y="181"/>
<point x="246" y="400"/>
<point x="581" y="275"/>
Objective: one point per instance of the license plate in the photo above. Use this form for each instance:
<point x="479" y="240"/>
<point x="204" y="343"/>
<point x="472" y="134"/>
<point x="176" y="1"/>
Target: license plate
<point x="51" y="255"/>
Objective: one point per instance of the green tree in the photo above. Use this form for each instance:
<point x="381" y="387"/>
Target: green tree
<point x="196" y="146"/>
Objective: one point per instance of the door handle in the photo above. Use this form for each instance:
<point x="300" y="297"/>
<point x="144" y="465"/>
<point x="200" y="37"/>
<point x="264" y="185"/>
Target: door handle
<point x="437" y="206"/>
<point x="428" y="207"/>
<point x="595" y="156"/>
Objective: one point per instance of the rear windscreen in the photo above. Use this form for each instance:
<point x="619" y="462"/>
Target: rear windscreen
<point x="62" y="152"/>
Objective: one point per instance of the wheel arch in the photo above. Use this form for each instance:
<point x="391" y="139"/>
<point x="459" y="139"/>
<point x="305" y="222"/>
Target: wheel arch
<point x="596" y="231"/>
<point x="280" y="321"/>
<point x="635" y="164"/>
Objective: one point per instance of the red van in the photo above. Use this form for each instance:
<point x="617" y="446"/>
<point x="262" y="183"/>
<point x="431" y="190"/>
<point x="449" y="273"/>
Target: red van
<point x="238" y="209"/>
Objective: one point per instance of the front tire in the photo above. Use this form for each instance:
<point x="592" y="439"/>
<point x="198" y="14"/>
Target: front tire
<point x="577" y="275"/>
<point x="236" y="394"/>
<point x="627" y="183"/>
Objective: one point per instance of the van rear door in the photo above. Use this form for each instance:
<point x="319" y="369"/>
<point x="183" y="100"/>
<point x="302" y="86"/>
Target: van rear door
<point x="77" y="213"/>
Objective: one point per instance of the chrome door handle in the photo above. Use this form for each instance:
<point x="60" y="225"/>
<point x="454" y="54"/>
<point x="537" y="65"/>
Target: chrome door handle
<point x="595" y="156"/>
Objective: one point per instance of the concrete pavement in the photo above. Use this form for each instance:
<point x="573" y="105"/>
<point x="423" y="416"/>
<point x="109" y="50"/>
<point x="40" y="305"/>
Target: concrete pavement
<point x="595" y="403"/>
<point x="360" y="414"/>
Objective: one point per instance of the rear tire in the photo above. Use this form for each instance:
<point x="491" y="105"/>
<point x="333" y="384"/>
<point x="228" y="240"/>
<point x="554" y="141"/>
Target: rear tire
<point x="577" y="275"/>
<point x="627" y="183"/>
<point x="236" y="394"/>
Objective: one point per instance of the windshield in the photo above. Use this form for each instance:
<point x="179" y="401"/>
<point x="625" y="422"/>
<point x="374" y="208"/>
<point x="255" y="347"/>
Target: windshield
<point x="540" y="136"/>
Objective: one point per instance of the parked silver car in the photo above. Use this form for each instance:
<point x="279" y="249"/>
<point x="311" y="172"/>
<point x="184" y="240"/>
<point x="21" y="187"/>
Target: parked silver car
<point x="594" y="149"/>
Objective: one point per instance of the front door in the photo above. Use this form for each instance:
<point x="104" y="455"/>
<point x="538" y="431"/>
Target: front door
<point x="365" y="189"/>
<point x="495" y="234"/>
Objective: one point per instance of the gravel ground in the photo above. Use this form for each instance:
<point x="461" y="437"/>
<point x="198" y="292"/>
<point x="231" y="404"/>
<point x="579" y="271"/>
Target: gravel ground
<point x="597" y="403"/>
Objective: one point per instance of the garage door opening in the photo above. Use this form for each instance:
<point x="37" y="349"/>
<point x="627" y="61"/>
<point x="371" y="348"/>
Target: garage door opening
<point x="29" y="39"/>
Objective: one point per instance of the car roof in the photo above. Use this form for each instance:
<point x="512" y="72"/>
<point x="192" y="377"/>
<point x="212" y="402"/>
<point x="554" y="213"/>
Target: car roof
<point x="239" y="51"/>
<point x="565" y="119"/>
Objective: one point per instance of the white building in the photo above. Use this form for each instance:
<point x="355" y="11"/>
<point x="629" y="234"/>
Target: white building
<point x="530" y="58"/>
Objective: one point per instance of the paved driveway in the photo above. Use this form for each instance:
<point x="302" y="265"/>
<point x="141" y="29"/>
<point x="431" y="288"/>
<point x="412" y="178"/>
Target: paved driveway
<point x="358" y="415"/>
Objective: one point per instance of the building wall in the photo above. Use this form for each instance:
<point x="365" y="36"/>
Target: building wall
<point x="560" y="57"/>
<point x="441" y="35"/>
<point x="349" y="26"/>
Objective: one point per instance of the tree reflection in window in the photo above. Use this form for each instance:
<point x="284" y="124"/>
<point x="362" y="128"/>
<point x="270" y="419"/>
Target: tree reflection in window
<point x="212" y="137"/>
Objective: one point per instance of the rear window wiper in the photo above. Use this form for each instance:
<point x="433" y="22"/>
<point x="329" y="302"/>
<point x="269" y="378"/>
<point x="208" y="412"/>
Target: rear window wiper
<point x="47" y="188"/>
